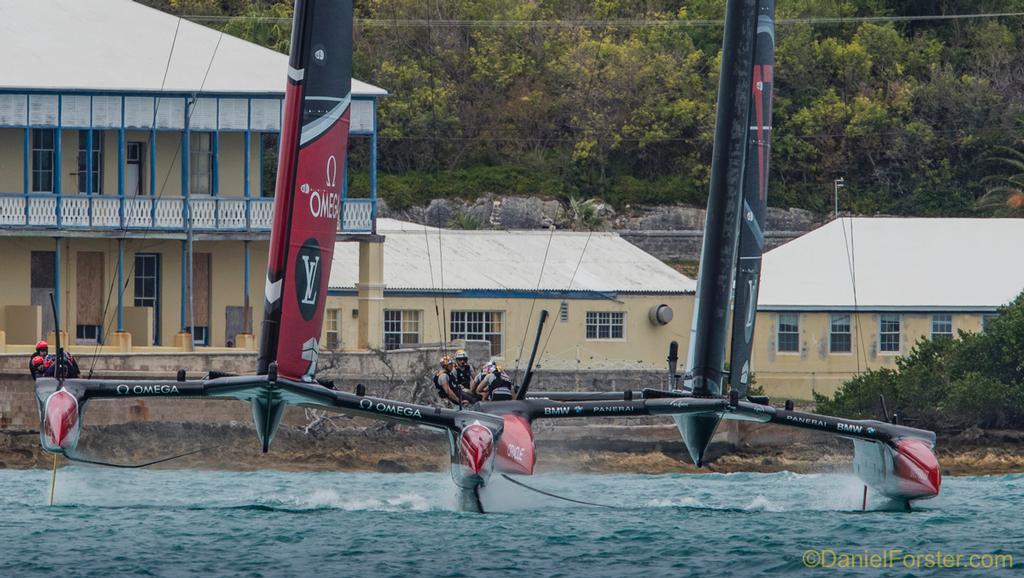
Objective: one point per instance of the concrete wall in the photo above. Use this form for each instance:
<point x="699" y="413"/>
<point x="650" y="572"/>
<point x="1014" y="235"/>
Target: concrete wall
<point x="686" y="245"/>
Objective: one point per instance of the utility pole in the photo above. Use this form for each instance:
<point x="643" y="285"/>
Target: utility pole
<point x="839" y="183"/>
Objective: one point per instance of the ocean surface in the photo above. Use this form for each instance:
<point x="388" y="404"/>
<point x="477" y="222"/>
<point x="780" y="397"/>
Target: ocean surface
<point x="108" y="522"/>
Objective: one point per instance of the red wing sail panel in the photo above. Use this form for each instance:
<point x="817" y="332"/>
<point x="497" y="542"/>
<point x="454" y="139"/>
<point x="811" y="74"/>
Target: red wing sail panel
<point x="311" y="170"/>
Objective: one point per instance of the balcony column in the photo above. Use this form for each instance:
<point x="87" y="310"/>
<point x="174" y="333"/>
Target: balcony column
<point x="120" y="285"/>
<point x="52" y="336"/>
<point x="152" y="175"/>
<point x="373" y="171"/>
<point x="246" y="340"/>
<point x="186" y="137"/>
<point x="27" y="152"/>
<point x="26" y="147"/>
<point x="246" y="171"/>
<point x="57" y="167"/>
<point x="120" y="172"/>
<point x="370" y="289"/>
<point x="122" y="339"/>
<point x="183" y="339"/>
<point x="88" y="162"/>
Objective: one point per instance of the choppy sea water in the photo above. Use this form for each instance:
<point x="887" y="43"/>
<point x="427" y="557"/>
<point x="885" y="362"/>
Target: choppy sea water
<point x="186" y="522"/>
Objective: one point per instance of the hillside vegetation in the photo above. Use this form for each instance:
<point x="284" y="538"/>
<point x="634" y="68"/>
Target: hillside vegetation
<point x="616" y="98"/>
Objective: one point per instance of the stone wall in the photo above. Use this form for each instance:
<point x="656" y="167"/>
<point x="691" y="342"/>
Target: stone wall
<point x="670" y="233"/>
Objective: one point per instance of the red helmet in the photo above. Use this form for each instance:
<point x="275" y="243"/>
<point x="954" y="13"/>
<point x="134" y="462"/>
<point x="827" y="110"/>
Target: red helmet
<point x="42" y="345"/>
<point x="37" y="360"/>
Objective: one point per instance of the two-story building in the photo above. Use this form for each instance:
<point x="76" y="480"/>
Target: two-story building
<point x="131" y="139"/>
<point x="857" y="293"/>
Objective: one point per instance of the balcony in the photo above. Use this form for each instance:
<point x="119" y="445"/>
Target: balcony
<point x="97" y="212"/>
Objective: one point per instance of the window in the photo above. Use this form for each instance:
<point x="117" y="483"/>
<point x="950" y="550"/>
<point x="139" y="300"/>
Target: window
<point x="839" y="340"/>
<point x="986" y="320"/>
<point x="42" y="160"/>
<point x="88" y="334"/>
<point x="200" y="335"/>
<point x="268" y="162"/>
<point x="788" y="333"/>
<point x="942" y="326"/>
<point x="147" y="287"/>
<point x="200" y="163"/>
<point x="332" y="324"/>
<point x="480" y="325"/>
<point x="605" y="324"/>
<point x="97" y="162"/>
<point x="401" y="328"/>
<point x="889" y="333"/>
<point x="563" y="311"/>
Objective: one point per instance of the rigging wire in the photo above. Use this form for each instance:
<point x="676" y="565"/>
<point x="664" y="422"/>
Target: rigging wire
<point x="556" y="496"/>
<point x="567" y="288"/>
<point x="177" y="151"/>
<point x="133" y="466"/>
<point x="533" y="303"/>
<point x="855" y="317"/>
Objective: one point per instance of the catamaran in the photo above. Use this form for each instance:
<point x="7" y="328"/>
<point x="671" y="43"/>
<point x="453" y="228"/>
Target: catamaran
<point x="497" y="436"/>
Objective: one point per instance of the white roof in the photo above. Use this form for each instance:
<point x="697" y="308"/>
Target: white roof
<point x="119" y="45"/>
<point x="509" y="261"/>
<point x="916" y="264"/>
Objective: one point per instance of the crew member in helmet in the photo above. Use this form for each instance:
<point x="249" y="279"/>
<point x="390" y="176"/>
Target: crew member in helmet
<point x="462" y="372"/>
<point x="36" y="366"/>
<point x="496" y="385"/>
<point x="68" y="369"/>
<point x="42" y="350"/>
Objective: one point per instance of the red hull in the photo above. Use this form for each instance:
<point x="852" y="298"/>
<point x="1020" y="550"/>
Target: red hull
<point x="515" y="447"/>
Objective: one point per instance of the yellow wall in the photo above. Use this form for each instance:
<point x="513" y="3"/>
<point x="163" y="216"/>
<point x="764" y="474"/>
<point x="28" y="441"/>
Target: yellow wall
<point x="12" y="142"/>
<point x="645" y="345"/>
<point x="227" y="274"/>
<point x="231" y="158"/>
<point x="814" y="368"/>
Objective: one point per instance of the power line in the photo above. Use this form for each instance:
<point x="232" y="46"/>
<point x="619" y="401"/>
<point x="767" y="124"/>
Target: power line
<point x="617" y="23"/>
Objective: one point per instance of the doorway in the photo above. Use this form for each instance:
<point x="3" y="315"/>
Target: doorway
<point x="133" y="169"/>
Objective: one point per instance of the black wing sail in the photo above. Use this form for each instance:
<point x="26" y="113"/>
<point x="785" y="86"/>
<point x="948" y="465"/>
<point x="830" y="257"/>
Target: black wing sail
<point x="755" y="198"/>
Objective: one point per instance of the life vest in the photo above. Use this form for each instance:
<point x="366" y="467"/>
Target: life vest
<point x="437" y="383"/>
<point x="500" y="387"/>
<point x="462" y="375"/>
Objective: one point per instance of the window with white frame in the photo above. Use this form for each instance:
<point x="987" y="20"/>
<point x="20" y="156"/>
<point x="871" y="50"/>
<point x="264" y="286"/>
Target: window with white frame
<point x="788" y="333"/>
<point x="401" y="328"/>
<point x="480" y="325"/>
<point x="42" y="160"/>
<point x="840" y="338"/>
<point x="147" y="287"/>
<point x="200" y="335"/>
<point x="88" y="333"/>
<point x="889" y="333"/>
<point x="200" y="163"/>
<point x="606" y="325"/>
<point x="96" y="172"/>
<point x="332" y="326"/>
<point x="942" y="326"/>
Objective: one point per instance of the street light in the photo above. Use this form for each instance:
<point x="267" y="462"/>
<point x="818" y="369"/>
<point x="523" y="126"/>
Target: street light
<point x="838" y="183"/>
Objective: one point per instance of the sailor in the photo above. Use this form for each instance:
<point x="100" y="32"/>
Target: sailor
<point x="36" y="366"/>
<point x="68" y="369"/>
<point x="462" y="373"/>
<point x="42" y="350"/>
<point x="493" y="383"/>
<point x="443" y="382"/>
